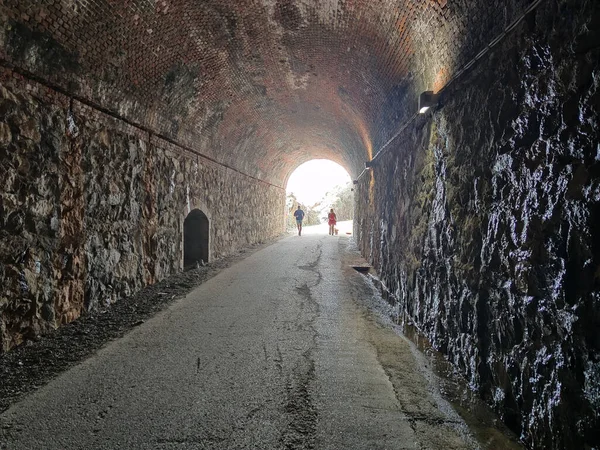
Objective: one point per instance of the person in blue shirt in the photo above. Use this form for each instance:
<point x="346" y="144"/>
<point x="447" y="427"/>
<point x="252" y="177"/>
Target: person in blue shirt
<point x="299" y="215"/>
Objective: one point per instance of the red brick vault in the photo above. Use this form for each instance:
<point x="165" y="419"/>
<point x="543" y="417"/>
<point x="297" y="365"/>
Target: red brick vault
<point x="120" y="117"/>
<point x="261" y="86"/>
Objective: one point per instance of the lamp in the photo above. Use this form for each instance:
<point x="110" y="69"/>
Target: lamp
<point x="427" y="99"/>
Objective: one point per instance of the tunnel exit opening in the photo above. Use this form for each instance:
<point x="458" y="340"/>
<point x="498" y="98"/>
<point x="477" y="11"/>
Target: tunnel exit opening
<point x="320" y="186"/>
<point x="195" y="238"/>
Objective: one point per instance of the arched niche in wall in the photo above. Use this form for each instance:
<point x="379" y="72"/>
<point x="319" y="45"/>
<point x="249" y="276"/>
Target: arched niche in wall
<point x="196" y="234"/>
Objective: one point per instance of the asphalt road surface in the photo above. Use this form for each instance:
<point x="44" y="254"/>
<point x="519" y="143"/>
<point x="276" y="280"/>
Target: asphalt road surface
<point x="275" y="352"/>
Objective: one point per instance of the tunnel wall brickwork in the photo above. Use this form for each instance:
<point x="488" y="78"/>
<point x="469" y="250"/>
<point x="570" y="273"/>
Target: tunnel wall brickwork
<point x="261" y="86"/>
<point x="482" y="221"/>
<point x="92" y="208"/>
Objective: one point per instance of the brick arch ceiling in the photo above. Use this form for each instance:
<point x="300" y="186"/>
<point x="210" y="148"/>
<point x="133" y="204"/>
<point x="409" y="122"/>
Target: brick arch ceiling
<point x="260" y="85"/>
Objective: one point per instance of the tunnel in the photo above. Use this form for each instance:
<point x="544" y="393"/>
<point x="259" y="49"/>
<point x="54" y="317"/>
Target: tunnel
<point x="470" y="130"/>
<point x="195" y="238"/>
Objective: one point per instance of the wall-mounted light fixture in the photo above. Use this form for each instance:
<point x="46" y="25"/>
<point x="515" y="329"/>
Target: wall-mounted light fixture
<point x="368" y="164"/>
<point x="426" y="100"/>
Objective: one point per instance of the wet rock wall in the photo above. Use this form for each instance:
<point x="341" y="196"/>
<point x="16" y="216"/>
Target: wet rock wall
<point x="482" y="221"/>
<point x="92" y="208"/>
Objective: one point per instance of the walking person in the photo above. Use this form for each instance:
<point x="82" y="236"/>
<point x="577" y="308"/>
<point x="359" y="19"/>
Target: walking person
<point x="331" y="220"/>
<point x="299" y="215"/>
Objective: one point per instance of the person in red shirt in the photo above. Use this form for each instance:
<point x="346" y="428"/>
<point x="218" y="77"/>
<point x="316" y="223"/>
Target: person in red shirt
<point x="331" y="220"/>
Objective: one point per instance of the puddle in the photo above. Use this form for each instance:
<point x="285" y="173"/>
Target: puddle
<point x="485" y="425"/>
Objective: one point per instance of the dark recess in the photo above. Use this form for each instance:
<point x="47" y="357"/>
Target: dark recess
<point x="195" y="238"/>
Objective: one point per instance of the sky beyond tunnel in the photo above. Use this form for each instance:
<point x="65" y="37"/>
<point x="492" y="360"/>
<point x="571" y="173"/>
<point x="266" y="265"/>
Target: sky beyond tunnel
<point x="313" y="179"/>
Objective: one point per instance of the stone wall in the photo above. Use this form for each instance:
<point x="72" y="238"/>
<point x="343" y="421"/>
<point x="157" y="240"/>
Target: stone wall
<point x="482" y="220"/>
<point x="92" y="209"/>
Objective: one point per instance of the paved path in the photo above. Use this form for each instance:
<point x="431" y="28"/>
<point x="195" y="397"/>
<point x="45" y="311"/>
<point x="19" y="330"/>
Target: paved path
<point x="275" y="352"/>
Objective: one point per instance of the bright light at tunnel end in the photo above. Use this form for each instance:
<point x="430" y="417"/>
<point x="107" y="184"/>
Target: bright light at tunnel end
<point x="313" y="179"/>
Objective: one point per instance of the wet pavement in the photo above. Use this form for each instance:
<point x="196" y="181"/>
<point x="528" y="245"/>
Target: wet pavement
<point x="283" y="350"/>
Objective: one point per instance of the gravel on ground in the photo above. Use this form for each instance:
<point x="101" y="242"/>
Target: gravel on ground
<point x="36" y="362"/>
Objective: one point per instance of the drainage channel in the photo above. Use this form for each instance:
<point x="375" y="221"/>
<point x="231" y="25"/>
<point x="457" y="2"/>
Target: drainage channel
<point x="362" y="269"/>
<point x="488" y="428"/>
